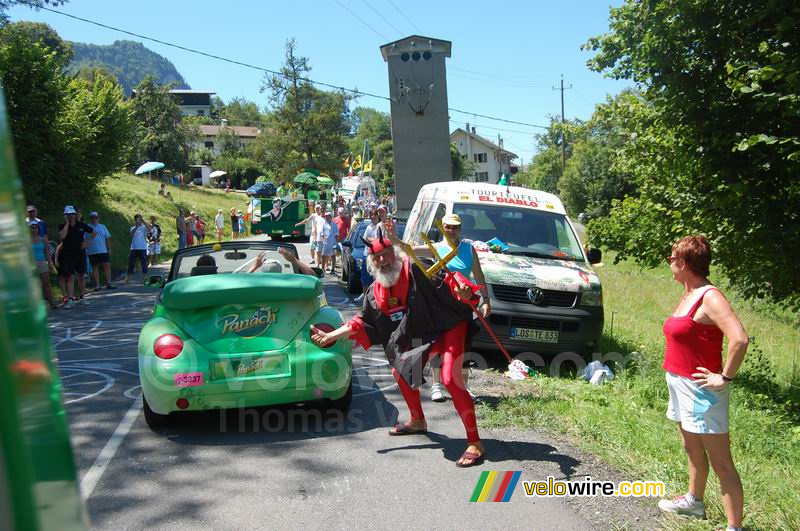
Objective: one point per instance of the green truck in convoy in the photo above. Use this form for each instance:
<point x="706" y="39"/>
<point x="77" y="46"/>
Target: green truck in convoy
<point x="278" y="216"/>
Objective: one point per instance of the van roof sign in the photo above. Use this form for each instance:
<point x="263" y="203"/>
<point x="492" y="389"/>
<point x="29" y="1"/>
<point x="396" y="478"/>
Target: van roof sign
<point x="492" y="194"/>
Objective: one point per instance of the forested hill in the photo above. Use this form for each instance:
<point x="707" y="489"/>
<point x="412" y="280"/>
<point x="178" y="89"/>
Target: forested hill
<point x="129" y="61"/>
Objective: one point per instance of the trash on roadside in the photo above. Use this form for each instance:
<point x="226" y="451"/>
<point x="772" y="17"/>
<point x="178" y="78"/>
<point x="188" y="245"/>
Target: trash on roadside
<point x="519" y="371"/>
<point x="597" y="373"/>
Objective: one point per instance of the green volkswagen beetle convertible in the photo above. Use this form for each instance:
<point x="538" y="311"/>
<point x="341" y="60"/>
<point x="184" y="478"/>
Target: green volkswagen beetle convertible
<point x="222" y="336"/>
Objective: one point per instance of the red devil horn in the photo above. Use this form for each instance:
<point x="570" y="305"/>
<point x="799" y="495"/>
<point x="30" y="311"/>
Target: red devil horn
<point x="383" y="242"/>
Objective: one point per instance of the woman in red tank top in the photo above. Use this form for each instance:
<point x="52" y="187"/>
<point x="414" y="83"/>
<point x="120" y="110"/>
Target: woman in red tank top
<point x="698" y="380"/>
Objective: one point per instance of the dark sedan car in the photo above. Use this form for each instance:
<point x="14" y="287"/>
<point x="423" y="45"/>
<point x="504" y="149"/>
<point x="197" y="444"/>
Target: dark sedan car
<point x="353" y="250"/>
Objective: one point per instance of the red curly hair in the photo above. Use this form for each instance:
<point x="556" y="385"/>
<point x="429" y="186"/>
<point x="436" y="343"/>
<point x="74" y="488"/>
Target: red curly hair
<point x="695" y="251"/>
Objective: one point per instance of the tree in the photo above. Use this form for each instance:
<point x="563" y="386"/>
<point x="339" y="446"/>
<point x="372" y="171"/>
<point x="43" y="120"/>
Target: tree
<point x="547" y="165"/>
<point x="374" y="127"/>
<point x="714" y="139"/>
<point x="161" y="134"/>
<point x="35" y="4"/>
<point x="462" y="167"/>
<point x="310" y="123"/>
<point x="240" y="111"/>
<point x="68" y="133"/>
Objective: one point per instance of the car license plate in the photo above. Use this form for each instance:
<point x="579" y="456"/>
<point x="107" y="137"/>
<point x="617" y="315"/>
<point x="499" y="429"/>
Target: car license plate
<point x="226" y="369"/>
<point x="531" y="334"/>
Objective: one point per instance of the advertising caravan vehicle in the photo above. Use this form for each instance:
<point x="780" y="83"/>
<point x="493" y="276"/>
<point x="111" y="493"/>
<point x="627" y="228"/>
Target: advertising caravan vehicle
<point x="277" y="216"/>
<point x="545" y="297"/>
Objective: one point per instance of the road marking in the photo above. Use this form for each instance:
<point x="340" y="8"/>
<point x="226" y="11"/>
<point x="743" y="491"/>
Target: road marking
<point x="98" y="359"/>
<point x="108" y="380"/>
<point x="92" y="477"/>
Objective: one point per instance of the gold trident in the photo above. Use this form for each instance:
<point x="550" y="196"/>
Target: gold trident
<point x="439" y="264"/>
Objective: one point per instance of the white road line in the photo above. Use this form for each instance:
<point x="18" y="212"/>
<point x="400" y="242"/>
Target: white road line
<point x="92" y="477"/>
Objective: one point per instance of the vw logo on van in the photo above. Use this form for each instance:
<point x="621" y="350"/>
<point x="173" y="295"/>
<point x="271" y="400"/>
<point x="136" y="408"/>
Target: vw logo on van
<point x="535" y="295"/>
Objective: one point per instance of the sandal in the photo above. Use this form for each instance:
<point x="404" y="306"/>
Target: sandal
<point x="402" y="429"/>
<point x="477" y="459"/>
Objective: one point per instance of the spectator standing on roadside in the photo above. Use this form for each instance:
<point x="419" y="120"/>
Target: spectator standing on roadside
<point x="138" y="246"/>
<point x="342" y="221"/>
<point x="180" y="226"/>
<point x="99" y="251"/>
<point x="163" y="189"/>
<point x="192" y="221"/>
<point x="219" y="223"/>
<point x="201" y="229"/>
<point x="330" y="236"/>
<point x="312" y="207"/>
<point x="154" y="239"/>
<point x="32" y="216"/>
<point x="318" y="224"/>
<point x="73" y="256"/>
<point x="189" y="231"/>
<point x="242" y="226"/>
<point x="234" y="224"/>
<point x="42" y="260"/>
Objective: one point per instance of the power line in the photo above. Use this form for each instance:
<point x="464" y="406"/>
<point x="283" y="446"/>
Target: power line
<point x="516" y="79"/>
<point x="497" y="119"/>
<point x="362" y="21"/>
<point x="479" y="126"/>
<point x="261" y="68"/>
<point x="381" y="15"/>
<point x="498" y="81"/>
<point x="404" y="16"/>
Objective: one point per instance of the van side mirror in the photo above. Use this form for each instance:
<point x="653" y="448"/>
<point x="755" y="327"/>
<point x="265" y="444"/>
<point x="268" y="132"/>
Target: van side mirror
<point x="595" y="256"/>
<point x="434" y="235"/>
<point x="319" y="272"/>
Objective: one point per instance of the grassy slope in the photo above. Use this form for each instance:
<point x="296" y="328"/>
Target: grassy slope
<point x="124" y="195"/>
<point x="623" y="421"/>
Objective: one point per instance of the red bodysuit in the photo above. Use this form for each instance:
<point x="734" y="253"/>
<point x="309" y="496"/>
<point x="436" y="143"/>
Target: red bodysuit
<point x="450" y="345"/>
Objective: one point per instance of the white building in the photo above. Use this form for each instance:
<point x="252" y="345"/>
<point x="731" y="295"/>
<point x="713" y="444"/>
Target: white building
<point x="491" y="160"/>
<point x="193" y="102"/>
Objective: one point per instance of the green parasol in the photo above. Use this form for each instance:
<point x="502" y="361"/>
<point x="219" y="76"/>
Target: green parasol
<point x="305" y="178"/>
<point x="323" y="179"/>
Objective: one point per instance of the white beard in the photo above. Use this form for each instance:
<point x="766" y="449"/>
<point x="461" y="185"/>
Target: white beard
<point x="387" y="278"/>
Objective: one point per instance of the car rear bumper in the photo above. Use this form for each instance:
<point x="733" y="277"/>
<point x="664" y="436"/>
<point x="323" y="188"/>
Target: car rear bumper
<point x="301" y="374"/>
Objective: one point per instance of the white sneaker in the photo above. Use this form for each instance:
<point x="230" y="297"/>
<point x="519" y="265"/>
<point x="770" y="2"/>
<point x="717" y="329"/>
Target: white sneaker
<point x="360" y="298"/>
<point x="681" y="505"/>
<point x="83" y="302"/>
<point x="436" y="393"/>
<point x="69" y="304"/>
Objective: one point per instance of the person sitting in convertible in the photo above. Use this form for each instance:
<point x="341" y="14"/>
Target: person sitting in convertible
<point x="263" y="264"/>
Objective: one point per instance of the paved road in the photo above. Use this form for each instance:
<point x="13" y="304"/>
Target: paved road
<point x="284" y="468"/>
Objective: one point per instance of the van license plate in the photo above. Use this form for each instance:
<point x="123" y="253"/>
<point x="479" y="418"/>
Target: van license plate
<point x="530" y="334"/>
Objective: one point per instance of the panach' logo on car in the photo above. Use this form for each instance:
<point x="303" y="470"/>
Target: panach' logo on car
<point x="248" y="326"/>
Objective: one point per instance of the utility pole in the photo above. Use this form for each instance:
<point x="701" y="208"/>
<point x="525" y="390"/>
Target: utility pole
<point x="563" y="144"/>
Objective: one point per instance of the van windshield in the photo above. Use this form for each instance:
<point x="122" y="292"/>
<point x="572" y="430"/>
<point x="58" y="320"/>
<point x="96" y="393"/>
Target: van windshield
<point x="526" y="231"/>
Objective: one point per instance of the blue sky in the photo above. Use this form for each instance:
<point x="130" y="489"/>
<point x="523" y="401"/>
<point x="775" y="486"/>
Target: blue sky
<point x="506" y="57"/>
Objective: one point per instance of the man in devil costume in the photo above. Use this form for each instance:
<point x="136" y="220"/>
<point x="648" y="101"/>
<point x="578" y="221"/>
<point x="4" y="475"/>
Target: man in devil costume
<point x="416" y="318"/>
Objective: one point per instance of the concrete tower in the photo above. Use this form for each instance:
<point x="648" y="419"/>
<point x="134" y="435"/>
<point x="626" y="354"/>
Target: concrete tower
<point x="420" y="128"/>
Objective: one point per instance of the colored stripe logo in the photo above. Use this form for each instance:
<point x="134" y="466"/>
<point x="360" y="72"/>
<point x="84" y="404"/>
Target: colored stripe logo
<point x="495" y="486"/>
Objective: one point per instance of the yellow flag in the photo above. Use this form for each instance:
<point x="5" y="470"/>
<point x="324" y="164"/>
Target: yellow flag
<point x="357" y="162"/>
<point x="368" y="166"/>
<point x="346" y="163"/>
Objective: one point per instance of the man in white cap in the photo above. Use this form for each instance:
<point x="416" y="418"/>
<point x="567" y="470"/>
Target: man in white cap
<point x="73" y="254"/>
<point x="262" y="264"/>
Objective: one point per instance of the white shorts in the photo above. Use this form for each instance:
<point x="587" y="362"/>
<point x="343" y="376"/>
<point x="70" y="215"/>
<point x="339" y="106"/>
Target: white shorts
<point x="698" y="410"/>
<point x="153" y="249"/>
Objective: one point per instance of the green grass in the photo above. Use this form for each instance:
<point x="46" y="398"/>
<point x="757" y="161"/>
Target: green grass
<point x="623" y="421"/>
<point x="124" y="195"/>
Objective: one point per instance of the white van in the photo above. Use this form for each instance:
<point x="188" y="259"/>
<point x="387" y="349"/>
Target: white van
<point x="545" y="296"/>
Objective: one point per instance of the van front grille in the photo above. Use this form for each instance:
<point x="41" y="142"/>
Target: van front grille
<point x="519" y="294"/>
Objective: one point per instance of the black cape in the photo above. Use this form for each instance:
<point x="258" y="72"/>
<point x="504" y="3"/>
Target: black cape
<point x="432" y="309"/>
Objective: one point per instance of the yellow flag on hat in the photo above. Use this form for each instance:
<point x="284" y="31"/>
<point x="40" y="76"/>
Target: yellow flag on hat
<point x="357" y="162"/>
<point x="368" y="166"/>
<point x="346" y="163"/>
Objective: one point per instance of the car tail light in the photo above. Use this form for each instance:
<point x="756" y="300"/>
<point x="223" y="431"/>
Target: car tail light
<point x="258" y="231"/>
<point x="325" y="327"/>
<point x="295" y="232"/>
<point x="182" y="403"/>
<point x="168" y="346"/>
